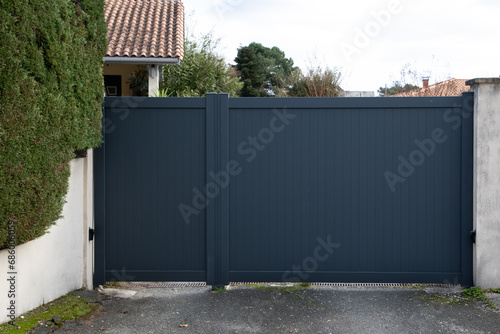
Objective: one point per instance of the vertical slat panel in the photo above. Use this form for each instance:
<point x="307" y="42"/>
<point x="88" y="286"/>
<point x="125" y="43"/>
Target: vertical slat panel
<point x="381" y="234"/>
<point x="155" y="161"/>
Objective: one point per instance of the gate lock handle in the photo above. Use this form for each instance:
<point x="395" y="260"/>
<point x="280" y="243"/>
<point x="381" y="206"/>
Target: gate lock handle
<point x="473" y="236"/>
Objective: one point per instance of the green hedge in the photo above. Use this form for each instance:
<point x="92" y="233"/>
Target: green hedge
<point x="51" y="90"/>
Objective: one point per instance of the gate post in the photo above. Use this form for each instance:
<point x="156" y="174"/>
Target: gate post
<point x="217" y="189"/>
<point x="486" y="211"/>
<point x="466" y="187"/>
<point x="99" y="208"/>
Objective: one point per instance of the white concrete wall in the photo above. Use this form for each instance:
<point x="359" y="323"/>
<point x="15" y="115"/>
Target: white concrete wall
<point x="60" y="261"/>
<point x="486" y="181"/>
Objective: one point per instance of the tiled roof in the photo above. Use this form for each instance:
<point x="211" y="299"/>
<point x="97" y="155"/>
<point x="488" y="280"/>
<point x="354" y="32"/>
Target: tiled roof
<point x="452" y="87"/>
<point x="145" y="28"/>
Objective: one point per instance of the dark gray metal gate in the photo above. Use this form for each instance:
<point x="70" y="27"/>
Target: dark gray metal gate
<point x="222" y="189"/>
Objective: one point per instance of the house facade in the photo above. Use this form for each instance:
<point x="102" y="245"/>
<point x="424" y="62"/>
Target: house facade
<point x="142" y="36"/>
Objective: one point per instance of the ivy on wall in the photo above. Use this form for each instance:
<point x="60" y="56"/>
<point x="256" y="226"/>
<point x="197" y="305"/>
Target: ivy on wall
<point x="51" y="91"/>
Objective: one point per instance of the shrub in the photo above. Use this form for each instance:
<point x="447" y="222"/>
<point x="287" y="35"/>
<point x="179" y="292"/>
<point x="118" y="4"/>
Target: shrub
<point x="201" y="71"/>
<point x="317" y="82"/>
<point x="51" y="90"/>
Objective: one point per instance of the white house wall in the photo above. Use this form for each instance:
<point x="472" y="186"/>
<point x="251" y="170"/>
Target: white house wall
<point x="60" y="261"/>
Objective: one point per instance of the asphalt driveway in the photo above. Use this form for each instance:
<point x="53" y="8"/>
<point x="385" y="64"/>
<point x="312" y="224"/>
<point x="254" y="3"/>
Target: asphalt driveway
<point x="265" y="309"/>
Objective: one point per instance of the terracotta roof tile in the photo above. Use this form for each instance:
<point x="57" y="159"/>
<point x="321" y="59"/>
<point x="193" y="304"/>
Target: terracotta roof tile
<point x="145" y="28"/>
<point x="452" y="87"/>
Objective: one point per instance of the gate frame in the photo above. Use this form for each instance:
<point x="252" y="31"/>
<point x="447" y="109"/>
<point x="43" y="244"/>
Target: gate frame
<point x="217" y="158"/>
<point x="217" y="211"/>
<point x="467" y="188"/>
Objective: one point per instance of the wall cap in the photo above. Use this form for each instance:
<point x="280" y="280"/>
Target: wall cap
<point x="479" y="81"/>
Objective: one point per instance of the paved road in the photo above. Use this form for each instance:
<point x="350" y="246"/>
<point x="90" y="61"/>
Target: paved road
<point x="311" y="310"/>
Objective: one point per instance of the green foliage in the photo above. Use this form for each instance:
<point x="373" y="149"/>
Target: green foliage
<point x="218" y="289"/>
<point x="67" y="307"/>
<point x="317" y="82"/>
<point x="138" y="81"/>
<point x="162" y="93"/>
<point x="477" y="293"/>
<point x="396" y="88"/>
<point x="201" y="71"/>
<point x="264" y="71"/>
<point x="251" y="73"/>
<point x="473" y="292"/>
<point x="51" y="90"/>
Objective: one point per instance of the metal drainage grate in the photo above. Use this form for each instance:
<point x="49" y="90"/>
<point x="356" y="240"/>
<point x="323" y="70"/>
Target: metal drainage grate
<point x="382" y="285"/>
<point x="356" y="285"/>
<point x="164" y="284"/>
<point x="339" y="285"/>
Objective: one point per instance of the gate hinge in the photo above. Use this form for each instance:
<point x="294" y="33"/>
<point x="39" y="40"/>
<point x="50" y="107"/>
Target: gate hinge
<point x="473" y="236"/>
<point x="91" y="234"/>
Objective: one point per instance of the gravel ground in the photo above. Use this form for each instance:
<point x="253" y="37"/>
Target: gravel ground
<point x="311" y="310"/>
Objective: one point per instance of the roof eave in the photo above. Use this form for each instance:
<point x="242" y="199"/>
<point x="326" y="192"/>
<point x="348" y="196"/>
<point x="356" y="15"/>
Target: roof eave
<point x="141" y="60"/>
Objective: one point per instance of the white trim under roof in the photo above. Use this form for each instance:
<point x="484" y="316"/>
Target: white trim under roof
<point x="141" y="60"/>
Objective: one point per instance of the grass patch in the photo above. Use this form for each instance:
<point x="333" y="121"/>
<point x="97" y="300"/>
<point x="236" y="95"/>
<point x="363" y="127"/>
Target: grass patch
<point x="66" y="308"/>
<point x="112" y="284"/>
<point x="477" y="293"/>
<point x="218" y="289"/>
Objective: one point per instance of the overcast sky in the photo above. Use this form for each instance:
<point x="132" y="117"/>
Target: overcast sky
<point x="369" y="40"/>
